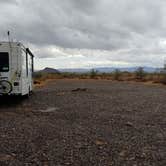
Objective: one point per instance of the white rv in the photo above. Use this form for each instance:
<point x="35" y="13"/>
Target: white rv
<point x="16" y="69"/>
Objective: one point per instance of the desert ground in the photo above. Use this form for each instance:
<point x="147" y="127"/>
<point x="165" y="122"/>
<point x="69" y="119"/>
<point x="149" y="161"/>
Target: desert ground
<point x="85" y="123"/>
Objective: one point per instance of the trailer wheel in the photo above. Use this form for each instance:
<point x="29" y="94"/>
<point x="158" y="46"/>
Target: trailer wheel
<point x="5" y="87"/>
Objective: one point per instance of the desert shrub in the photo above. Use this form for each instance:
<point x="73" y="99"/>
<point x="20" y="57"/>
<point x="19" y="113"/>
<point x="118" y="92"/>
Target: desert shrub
<point x="37" y="75"/>
<point x="149" y="77"/>
<point x="140" y="73"/>
<point x="36" y="82"/>
<point x="84" y="76"/>
<point x="104" y="75"/>
<point x="93" y="73"/>
<point x="116" y="74"/>
<point x="163" y="78"/>
<point x="68" y="75"/>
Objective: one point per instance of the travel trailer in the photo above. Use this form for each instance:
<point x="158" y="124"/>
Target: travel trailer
<point x="16" y="69"/>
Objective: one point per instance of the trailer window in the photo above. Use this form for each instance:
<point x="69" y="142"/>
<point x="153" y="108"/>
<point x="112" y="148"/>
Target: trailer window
<point x="4" y="62"/>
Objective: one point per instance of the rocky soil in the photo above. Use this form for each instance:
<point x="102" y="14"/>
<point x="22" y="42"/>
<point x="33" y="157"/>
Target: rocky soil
<point x="85" y="123"/>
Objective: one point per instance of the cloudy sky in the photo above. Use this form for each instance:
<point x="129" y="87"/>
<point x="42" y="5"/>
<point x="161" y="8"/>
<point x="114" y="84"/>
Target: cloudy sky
<point x="88" y="33"/>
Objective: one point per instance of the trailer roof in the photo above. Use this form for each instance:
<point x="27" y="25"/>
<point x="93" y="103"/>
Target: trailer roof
<point x="18" y="44"/>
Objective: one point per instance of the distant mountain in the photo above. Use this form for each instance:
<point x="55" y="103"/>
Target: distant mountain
<point x="75" y="70"/>
<point x="99" y="69"/>
<point x="128" y="69"/>
<point x="109" y="69"/>
<point x="49" y="70"/>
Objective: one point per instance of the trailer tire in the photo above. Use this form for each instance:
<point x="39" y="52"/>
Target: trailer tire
<point x="6" y="87"/>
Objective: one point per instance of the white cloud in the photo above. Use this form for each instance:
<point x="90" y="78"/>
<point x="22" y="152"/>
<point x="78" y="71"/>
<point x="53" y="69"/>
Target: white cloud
<point x="81" y="33"/>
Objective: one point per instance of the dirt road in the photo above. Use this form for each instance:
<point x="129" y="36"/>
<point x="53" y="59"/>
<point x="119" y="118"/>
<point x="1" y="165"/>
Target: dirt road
<point x="85" y="123"/>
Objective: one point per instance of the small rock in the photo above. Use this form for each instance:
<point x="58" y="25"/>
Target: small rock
<point x="49" y="110"/>
<point x="60" y="94"/>
<point x="5" y="157"/>
<point x="122" y="153"/>
<point x="129" y="124"/>
<point x="160" y="136"/>
<point x="79" y="89"/>
<point x="100" y="142"/>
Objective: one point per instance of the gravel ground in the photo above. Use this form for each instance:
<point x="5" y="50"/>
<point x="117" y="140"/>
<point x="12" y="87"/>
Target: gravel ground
<point x="85" y="123"/>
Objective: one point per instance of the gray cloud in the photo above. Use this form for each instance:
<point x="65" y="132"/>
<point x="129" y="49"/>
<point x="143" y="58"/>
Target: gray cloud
<point x="8" y="1"/>
<point x="134" y="25"/>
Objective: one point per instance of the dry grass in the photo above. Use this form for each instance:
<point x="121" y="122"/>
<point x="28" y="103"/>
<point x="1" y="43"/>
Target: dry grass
<point x="40" y="79"/>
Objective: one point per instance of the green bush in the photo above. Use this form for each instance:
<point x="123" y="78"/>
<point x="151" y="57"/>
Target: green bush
<point x="140" y="73"/>
<point x="93" y="73"/>
<point x="117" y="74"/>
